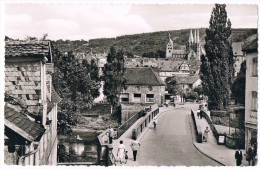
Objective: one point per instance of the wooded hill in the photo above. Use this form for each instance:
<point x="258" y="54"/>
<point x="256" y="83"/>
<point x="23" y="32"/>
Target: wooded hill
<point x="138" y="44"/>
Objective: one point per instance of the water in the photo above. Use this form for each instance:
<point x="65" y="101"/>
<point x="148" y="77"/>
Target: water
<point x="82" y="149"/>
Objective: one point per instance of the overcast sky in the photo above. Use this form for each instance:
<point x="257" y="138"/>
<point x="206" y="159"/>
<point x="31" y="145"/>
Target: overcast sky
<point x="72" y="21"/>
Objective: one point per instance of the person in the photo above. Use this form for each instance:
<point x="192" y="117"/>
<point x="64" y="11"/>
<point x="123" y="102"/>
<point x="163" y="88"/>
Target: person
<point x="238" y="157"/>
<point x="198" y="113"/>
<point x="154" y="122"/>
<point x="251" y="155"/>
<point x="126" y="156"/>
<point x="110" y="135"/>
<point x="135" y="146"/>
<point x="206" y="134"/>
<point x="201" y="114"/>
<point x="120" y="151"/>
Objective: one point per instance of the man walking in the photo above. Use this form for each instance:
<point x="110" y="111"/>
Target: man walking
<point x="110" y="135"/>
<point x="251" y="155"/>
<point x="135" y="146"/>
<point x="238" y="157"/>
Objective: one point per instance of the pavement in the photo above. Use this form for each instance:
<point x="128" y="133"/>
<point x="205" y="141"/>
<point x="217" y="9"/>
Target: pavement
<point x="219" y="153"/>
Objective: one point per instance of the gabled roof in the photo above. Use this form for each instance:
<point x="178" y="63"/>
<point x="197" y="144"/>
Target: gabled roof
<point x="17" y="121"/>
<point x="142" y="76"/>
<point x="250" y="45"/>
<point x="169" y="66"/>
<point x="182" y="52"/>
<point x="35" y="49"/>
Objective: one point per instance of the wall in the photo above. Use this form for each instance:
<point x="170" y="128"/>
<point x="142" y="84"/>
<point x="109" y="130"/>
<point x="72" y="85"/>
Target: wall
<point x="158" y="92"/>
<point x="251" y="85"/>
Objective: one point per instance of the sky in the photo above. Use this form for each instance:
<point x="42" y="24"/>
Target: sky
<point x="85" y="21"/>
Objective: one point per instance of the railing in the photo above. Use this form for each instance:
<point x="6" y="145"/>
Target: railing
<point x="124" y="127"/>
<point x="196" y="122"/>
<point x="144" y="122"/>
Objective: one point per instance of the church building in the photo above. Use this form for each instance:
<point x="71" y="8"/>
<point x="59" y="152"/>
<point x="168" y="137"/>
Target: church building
<point x="193" y="48"/>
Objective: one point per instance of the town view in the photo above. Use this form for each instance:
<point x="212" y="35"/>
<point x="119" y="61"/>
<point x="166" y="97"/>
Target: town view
<point x="130" y="85"/>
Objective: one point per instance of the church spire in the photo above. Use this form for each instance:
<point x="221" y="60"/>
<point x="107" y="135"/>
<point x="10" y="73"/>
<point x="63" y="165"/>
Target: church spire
<point x="195" y="36"/>
<point x="191" y="40"/>
<point x="198" y="36"/>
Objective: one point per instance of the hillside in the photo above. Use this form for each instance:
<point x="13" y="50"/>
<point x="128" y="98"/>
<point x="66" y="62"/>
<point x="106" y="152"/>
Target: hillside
<point x="138" y="44"/>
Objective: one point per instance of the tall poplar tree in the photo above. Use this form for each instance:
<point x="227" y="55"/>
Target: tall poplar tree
<point x="217" y="69"/>
<point x="113" y="76"/>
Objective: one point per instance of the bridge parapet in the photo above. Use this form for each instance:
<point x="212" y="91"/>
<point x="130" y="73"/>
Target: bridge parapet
<point x="145" y="121"/>
<point x="196" y="122"/>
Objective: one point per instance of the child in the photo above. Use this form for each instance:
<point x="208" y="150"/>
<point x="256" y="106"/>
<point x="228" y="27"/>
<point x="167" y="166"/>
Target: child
<point x="126" y="157"/>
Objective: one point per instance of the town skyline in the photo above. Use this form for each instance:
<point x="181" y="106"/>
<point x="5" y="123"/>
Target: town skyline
<point x="86" y="21"/>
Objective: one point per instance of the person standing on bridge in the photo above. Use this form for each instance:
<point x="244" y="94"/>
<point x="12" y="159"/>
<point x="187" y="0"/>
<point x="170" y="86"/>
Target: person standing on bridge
<point x="121" y="151"/>
<point x="135" y="147"/>
<point x="154" y="122"/>
<point x="110" y="134"/>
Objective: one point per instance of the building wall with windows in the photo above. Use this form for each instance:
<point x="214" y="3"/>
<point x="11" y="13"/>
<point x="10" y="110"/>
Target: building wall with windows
<point x="251" y="98"/>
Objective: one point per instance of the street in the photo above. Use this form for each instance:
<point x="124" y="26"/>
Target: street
<point x="170" y="144"/>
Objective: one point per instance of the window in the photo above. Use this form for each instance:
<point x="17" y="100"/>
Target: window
<point x="254" y="101"/>
<point x="254" y="67"/>
<point x="137" y="97"/>
<point x="124" y="97"/>
<point x="150" y="98"/>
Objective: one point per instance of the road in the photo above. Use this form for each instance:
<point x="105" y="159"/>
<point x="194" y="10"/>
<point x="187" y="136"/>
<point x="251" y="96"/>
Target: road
<point x="171" y="143"/>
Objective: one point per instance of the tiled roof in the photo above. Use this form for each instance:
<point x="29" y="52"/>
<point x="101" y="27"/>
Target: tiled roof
<point x="237" y="48"/>
<point x="171" y="66"/>
<point x="24" y="48"/>
<point x="176" y="51"/>
<point x="23" y="82"/>
<point x="142" y="76"/>
<point x="16" y="120"/>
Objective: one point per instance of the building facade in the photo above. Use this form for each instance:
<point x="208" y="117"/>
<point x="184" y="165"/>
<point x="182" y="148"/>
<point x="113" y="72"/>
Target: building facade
<point x="251" y="98"/>
<point x="143" y="86"/>
<point x="30" y="113"/>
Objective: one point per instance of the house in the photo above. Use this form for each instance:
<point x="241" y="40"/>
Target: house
<point x="168" y="68"/>
<point x="143" y="86"/>
<point x="238" y="56"/>
<point x="30" y="112"/>
<point x="251" y="94"/>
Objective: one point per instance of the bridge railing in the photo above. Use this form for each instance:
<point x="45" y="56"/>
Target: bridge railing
<point x="145" y="121"/>
<point x="197" y="126"/>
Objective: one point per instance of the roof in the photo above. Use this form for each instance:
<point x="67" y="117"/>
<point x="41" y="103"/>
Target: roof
<point x="169" y="66"/>
<point x="21" y="124"/>
<point x="250" y="45"/>
<point x="237" y="48"/>
<point x="142" y="76"/>
<point x="36" y="49"/>
<point x="179" y="52"/>
<point x="187" y="79"/>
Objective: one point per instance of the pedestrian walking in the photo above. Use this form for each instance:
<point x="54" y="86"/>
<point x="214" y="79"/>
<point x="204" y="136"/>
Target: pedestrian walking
<point x="121" y="151"/>
<point x="251" y="155"/>
<point x="238" y="157"/>
<point x="206" y="134"/>
<point x="201" y="114"/>
<point x="135" y="147"/>
<point x="126" y="156"/>
<point x="154" y="122"/>
<point x="110" y="135"/>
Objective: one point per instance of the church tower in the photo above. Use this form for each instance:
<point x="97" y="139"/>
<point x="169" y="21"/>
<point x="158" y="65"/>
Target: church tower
<point x="169" y="48"/>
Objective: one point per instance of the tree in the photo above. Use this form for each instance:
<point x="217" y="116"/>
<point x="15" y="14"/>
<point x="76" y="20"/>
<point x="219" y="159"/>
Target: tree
<point x="239" y="85"/>
<point x="76" y="84"/>
<point x="172" y="86"/>
<point x="217" y="69"/>
<point x="113" y="76"/>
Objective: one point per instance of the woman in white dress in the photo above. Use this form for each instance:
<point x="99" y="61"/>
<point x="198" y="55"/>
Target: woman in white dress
<point x="121" y="151"/>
